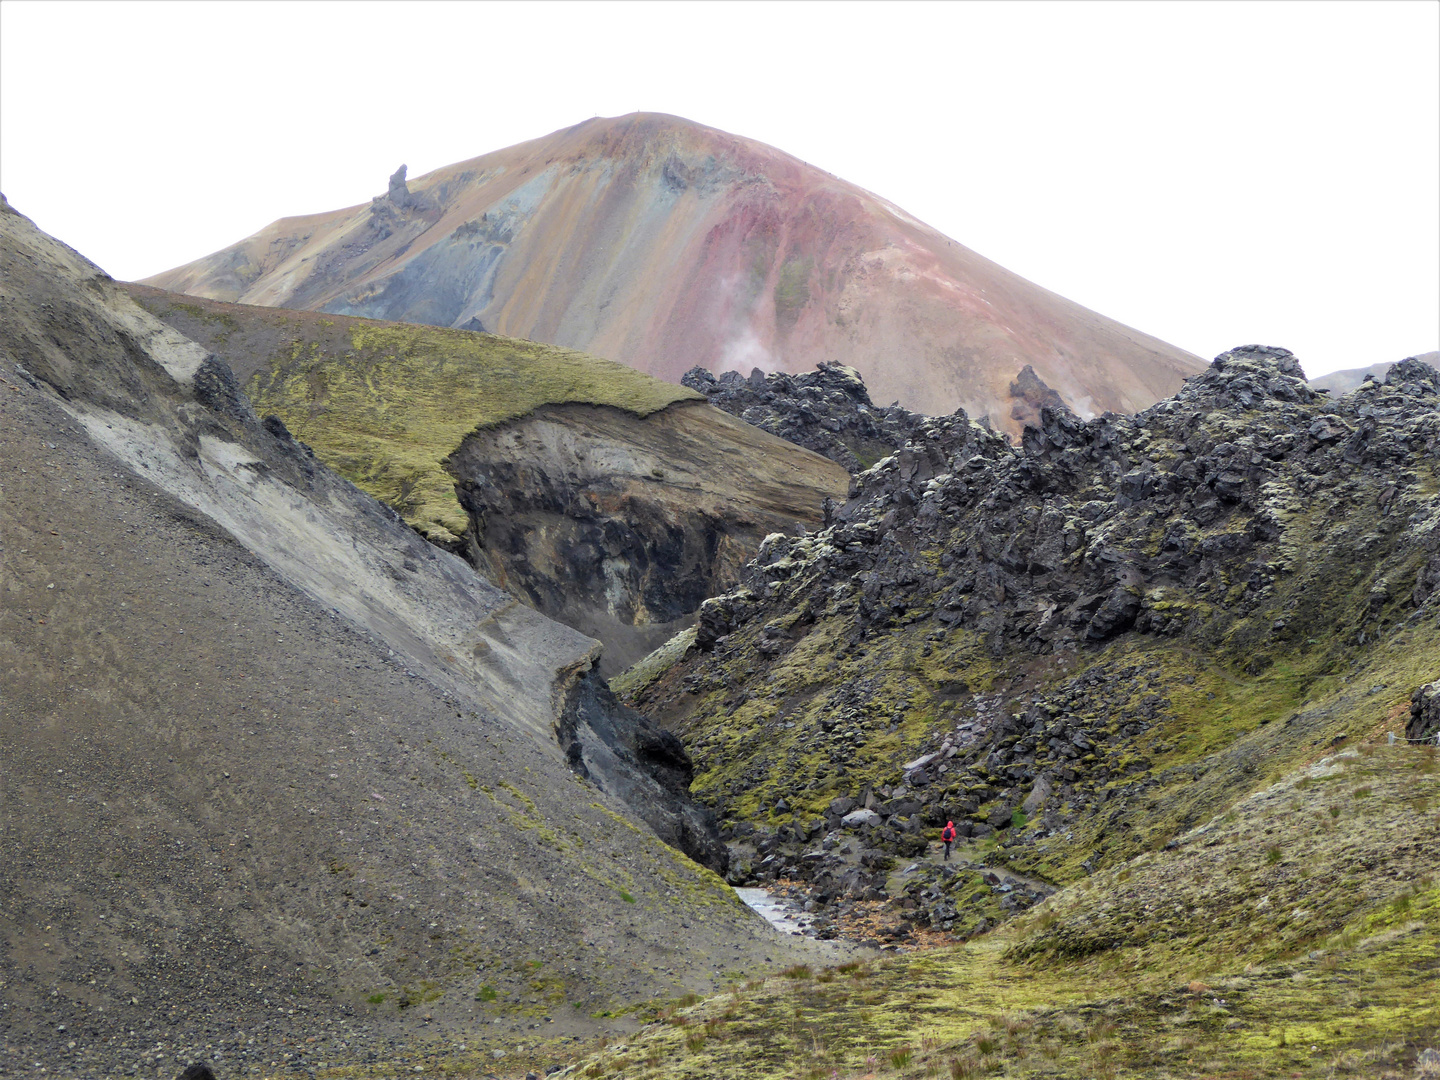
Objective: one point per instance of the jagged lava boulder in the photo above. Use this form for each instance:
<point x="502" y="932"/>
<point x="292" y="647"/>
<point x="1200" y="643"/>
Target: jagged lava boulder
<point x="828" y="410"/>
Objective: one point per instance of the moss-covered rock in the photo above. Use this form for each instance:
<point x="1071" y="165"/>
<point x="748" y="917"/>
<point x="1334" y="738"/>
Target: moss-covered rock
<point x="1144" y="616"/>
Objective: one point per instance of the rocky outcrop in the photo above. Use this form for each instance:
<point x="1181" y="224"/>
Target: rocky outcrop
<point x="1424" y="712"/>
<point x="644" y="765"/>
<point x="622" y="526"/>
<point x="1342" y="382"/>
<point x="399" y="209"/>
<point x="399" y="192"/>
<point x="1030" y="395"/>
<point x="665" y="244"/>
<point x="1012" y="629"/>
<point x="828" y="411"/>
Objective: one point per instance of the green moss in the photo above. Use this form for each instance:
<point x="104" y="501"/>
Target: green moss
<point x="385" y="404"/>
<point x="1166" y="991"/>
<point x="787" y="744"/>
<point x="792" y="288"/>
<point x="642" y="673"/>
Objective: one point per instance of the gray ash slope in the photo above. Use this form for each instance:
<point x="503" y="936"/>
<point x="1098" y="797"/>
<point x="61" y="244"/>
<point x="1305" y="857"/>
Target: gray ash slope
<point x="282" y="781"/>
<point x="1097" y="629"/>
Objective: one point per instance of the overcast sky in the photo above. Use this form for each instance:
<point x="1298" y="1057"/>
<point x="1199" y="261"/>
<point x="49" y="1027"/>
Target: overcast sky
<point x="1213" y="174"/>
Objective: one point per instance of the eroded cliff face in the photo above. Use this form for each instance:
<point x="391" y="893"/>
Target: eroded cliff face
<point x="621" y="526"/>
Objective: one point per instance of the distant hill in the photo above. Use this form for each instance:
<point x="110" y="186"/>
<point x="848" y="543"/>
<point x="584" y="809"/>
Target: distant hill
<point x="1342" y="382"/>
<point x="666" y="244"/>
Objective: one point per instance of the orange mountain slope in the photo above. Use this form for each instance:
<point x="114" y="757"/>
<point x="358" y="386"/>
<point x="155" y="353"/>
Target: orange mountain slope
<point x="663" y="243"/>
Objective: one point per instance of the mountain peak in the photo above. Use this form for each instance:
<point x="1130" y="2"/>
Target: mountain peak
<point x="665" y="244"/>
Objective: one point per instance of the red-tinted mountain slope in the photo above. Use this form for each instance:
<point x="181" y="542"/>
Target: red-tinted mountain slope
<point x="662" y="243"/>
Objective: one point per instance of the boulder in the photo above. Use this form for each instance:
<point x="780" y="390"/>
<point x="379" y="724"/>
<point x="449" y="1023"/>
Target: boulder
<point x="1038" y="794"/>
<point x="1415" y="377"/>
<point x="1328" y="429"/>
<point x="859" y="819"/>
<point x="1116" y="615"/>
<point x="920" y="762"/>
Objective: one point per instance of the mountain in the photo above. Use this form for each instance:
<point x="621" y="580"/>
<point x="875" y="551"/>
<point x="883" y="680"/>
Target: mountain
<point x="602" y="497"/>
<point x="1342" y="382"/>
<point x="283" y="782"/>
<point x="291" y="789"/>
<point x="666" y="244"/>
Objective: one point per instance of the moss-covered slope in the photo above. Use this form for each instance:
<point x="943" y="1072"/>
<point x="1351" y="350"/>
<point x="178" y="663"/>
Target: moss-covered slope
<point x="384" y="403"/>
<point x="1298" y="934"/>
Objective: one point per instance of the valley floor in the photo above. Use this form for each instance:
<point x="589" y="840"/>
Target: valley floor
<point x="1297" y="935"/>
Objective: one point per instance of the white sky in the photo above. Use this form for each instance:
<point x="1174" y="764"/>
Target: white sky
<point x="1214" y="174"/>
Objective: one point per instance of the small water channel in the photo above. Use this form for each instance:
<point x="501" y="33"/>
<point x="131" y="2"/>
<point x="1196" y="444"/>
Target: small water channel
<point x="781" y="914"/>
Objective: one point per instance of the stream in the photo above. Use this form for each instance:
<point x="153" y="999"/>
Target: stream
<point x="784" y="916"/>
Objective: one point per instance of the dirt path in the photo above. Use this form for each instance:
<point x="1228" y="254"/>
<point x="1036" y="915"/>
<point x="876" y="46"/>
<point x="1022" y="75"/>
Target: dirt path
<point x="959" y="858"/>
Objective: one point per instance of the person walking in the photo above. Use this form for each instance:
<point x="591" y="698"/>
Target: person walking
<point x="948" y="835"/>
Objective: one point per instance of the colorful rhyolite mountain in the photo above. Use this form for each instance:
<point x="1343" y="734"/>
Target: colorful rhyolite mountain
<point x="664" y="244"/>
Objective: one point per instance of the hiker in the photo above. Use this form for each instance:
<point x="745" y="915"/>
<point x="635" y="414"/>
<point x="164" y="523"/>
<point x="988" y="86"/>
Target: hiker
<point x="948" y="835"/>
